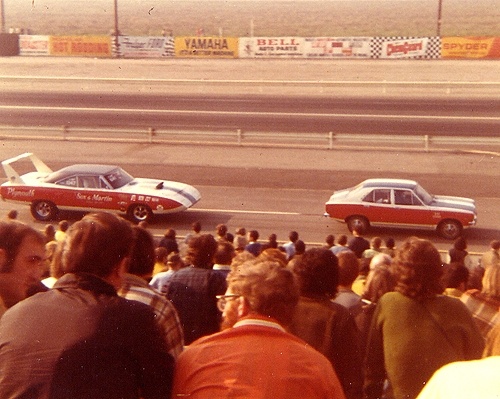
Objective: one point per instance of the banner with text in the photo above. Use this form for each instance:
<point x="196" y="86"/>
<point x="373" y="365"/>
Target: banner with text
<point x="82" y="46"/>
<point x="271" y="47"/>
<point x="406" y="47"/>
<point x="33" y="44"/>
<point x="470" y="47"/>
<point x="145" y="47"/>
<point x="337" y="47"/>
<point x="206" y="47"/>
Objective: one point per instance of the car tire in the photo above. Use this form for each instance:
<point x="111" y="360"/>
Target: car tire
<point x="450" y="229"/>
<point x="360" y="223"/>
<point x="44" y="210"/>
<point x="140" y="213"/>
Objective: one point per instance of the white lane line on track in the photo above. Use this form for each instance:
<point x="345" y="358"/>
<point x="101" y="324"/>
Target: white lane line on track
<point x="247" y="212"/>
<point x="237" y="113"/>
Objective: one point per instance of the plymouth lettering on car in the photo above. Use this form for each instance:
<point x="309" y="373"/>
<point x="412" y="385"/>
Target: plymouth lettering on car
<point x="88" y="186"/>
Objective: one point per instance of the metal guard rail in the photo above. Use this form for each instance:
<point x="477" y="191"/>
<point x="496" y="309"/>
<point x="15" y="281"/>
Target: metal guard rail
<point x="327" y="140"/>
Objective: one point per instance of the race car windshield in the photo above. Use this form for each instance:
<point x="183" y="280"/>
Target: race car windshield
<point x="118" y="178"/>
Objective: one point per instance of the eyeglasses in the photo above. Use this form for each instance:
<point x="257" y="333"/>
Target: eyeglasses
<point x="223" y="299"/>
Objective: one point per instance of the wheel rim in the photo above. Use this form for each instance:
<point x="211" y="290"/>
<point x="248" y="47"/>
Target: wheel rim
<point x="450" y="230"/>
<point x="43" y="209"/>
<point x="357" y="224"/>
<point x="140" y="212"/>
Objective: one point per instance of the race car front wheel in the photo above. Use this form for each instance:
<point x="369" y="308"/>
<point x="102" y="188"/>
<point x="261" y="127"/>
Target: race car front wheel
<point x="43" y="210"/>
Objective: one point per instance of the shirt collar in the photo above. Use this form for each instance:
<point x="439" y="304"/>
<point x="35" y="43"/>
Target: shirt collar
<point x="259" y="321"/>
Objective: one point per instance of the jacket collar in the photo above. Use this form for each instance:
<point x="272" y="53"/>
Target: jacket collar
<point x="87" y="282"/>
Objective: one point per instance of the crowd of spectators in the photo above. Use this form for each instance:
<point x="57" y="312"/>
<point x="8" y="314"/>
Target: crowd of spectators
<point x="100" y="309"/>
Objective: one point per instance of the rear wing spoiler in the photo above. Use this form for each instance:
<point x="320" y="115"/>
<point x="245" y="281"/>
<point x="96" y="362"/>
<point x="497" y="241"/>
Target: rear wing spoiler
<point x="11" y="173"/>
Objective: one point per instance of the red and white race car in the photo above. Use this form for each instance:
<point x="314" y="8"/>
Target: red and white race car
<point x="86" y="187"/>
<point x="400" y="203"/>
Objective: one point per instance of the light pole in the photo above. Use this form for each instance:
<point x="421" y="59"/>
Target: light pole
<point x="440" y="8"/>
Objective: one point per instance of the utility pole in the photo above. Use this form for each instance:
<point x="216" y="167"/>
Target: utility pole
<point x="2" y="17"/>
<point x="116" y="31"/>
<point x="440" y="8"/>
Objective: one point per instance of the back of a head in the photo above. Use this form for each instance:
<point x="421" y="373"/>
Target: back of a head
<point x="460" y="244"/>
<point x="376" y="242"/>
<point x="273" y="254"/>
<point x="142" y="258"/>
<point x="97" y="244"/>
<point x="495" y="245"/>
<point x="63" y="225"/>
<point x="293" y="236"/>
<point x="300" y="247"/>
<point x="254" y="235"/>
<point x="455" y="274"/>
<point x="317" y="273"/>
<point x="196" y="226"/>
<point x="12" y="234"/>
<point x="342" y="240"/>
<point x="418" y="269"/>
<point x="380" y="260"/>
<point x="330" y="240"/>
<point x="269" y="287"/>
<point x="170" y="233"/>
<point x="348" y="268"/>
<point x="224" y="253"/>
<point x="201" y="251"/>
<point x="221" y="230"/>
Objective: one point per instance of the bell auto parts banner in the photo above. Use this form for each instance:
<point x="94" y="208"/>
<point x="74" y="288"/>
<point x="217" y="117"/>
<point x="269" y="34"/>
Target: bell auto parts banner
<point x="272" y="47"/>
<point x="337" y="47"/>
<point x="82" y="46"/>
<point x="145" y="47"/>
<point x="406" y="47"/>
<point x="206" y="47"/>
<point x="33" y="45"/>
<point x="470" y="47"/>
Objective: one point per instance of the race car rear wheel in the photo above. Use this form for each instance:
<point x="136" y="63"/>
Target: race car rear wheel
<point x="140" y="212"/>
<point x="44" y="210"/>
<point x="358" y="223"/>
<point x="449" y="229"/>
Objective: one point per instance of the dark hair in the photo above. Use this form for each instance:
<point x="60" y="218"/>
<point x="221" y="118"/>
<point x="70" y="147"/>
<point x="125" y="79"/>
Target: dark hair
<point x="12" y="235"/>
<point x="495" y="244"/>
<point x="348" y="267"/>
<point x="460" y="244"/>
<point x="170" y="233"/>
<point x="300" y="247"/>
<point x="318" y="273"/>
<point x="201" y="251"/>
<point x="293" y="236"/>
<point x="390" y="243"/>
<point x="454" y="274"/>
<point x="196" y="226"/>
<point x="418" y="269"/>
<point x="221" y="230"/>
<point x="224" y="253"/>
<point x="63" y="225"/>
<point x="142" y="258"/>
<point x="254" y="234"/>
<point x="97" y="244"/>
<point x="342" y="240"/>
<point x="330" y="239"/>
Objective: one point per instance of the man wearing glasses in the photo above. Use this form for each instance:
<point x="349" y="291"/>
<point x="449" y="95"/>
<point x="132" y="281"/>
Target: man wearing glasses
<point x="254" y="356"/>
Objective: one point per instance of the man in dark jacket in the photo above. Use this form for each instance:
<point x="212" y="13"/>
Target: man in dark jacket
<point x="80" y="339"/>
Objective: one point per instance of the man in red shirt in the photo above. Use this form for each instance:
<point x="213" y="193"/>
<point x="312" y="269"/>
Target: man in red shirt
<point x="254" y="357"/>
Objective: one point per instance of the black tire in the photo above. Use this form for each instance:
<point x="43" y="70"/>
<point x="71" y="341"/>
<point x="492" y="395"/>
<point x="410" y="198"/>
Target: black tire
<point x="360" y="223"/>
<point x="140" y="213"/>
<point x="44" y="210"/>
<point x="450" y="229"/>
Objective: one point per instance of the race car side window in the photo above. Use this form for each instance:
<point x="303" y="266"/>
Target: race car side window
<point x="405" y="197"/>
<point x="379" y="196"/>
<point x="88" y="182"/>
<point x="70" y="182"/>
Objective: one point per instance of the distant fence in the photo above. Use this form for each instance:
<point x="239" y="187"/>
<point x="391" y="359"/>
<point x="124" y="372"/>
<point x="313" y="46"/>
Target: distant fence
<point x="397" y="47"/>
<point x="238" y="137"/>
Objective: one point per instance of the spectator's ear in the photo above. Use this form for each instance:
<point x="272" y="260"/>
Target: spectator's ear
<point x="243" y="307"/>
